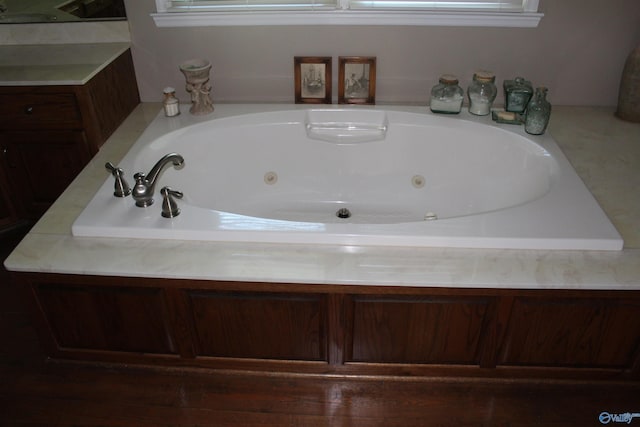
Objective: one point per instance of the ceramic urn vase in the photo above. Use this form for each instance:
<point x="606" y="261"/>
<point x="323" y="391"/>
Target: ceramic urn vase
<point x="629" y="95"/>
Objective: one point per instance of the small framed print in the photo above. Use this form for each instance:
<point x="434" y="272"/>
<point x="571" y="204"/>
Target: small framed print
<point x="357" y="80"/>
<point x="312" y="79"/>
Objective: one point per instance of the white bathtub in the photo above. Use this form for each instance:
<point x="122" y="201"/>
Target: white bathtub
<point x="355" y="176"/>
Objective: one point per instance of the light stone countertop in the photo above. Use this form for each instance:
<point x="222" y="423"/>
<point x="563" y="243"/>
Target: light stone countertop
<point x="55" y="64"/>
<point x="604" y="150"/>
<point x="45" y="7"/>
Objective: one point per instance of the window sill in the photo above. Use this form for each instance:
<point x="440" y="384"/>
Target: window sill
<point x="347" y="17"/>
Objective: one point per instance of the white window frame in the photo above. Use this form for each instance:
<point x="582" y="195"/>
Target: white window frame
<point x="529" y="18"/>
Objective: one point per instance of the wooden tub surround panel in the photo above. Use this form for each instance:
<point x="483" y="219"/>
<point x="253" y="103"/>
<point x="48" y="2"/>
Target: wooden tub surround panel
<point x="338" y="329"/>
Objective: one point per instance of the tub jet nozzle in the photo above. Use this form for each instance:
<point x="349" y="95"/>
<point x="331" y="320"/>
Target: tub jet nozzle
<point x="343" y="213"/>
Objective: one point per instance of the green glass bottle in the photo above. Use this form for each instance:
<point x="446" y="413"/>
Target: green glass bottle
<point x="538" y="112"/>
<point x="517" y="94"/>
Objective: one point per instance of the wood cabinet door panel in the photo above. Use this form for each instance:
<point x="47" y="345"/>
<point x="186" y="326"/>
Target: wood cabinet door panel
<point x="262" y="326"/>
<point x="417" y="330"/>
<point x="577" y="333"/>
<point x="40" y="165"/>
<point x="107" y="318"/>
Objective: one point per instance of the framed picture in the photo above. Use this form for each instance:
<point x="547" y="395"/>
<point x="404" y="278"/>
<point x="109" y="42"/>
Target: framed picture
<point x="313" y="79"/>
<point x="357" y="80"/>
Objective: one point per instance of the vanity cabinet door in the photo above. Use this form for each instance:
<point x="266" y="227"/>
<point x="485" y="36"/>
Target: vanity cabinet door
<point x="7" y="211"/>
<point x="40" y="165"/>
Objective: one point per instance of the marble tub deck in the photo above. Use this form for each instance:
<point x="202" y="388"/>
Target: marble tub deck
<point x="604" y="150"/>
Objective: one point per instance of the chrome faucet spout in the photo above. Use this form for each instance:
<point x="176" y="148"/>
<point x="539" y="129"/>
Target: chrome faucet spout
<point x="174" y="158"/>
<point x="145" y="184"/>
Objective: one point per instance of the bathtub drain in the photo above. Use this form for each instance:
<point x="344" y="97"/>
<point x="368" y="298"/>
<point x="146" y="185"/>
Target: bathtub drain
<point x="343" y="213"/>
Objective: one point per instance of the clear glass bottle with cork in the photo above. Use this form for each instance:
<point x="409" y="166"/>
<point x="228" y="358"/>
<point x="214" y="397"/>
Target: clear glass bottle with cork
<point x="447" y="95"/>
<point x="482" y="92"/>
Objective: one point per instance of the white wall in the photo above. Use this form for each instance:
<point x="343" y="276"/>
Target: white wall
<point x="578" y="54"/>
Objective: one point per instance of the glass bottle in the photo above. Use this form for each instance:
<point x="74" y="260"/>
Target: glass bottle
<point x="517" y="94"/>
<point x="482" y="92"/>
<point x="447" y="95"/>
<point x="538" y="112"/>
<point x="170" y="102"/>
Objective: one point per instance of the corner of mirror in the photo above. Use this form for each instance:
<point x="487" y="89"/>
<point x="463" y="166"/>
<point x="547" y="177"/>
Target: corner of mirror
<point x="52" y="11"/>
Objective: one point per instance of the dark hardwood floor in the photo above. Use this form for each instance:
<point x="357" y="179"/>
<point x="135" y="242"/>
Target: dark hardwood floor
<point x="36" y="392"/>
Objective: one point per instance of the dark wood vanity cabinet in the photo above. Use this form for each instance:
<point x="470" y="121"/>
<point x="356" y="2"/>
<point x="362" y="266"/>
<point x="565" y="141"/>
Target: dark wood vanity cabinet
<point x="49" y="133"/>
<point x="339" y="330"/>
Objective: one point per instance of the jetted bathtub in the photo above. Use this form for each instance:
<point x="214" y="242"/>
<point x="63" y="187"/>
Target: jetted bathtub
<point x="354" y="176"/>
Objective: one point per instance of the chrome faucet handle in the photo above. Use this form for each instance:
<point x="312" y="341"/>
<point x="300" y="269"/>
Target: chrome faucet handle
<point x="170" y="208"/>
<point x="120" y="187"/>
